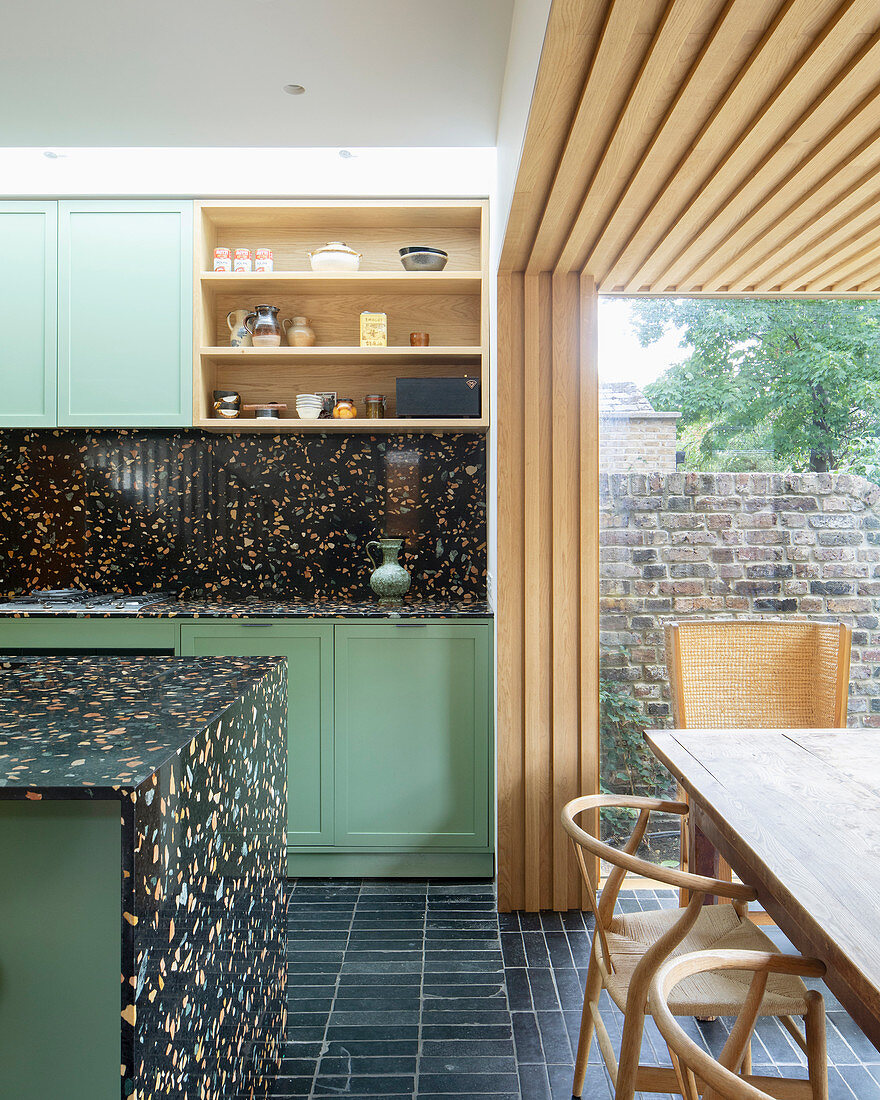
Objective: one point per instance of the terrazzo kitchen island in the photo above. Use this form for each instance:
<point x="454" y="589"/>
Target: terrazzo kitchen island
<point x="142" y="835"/>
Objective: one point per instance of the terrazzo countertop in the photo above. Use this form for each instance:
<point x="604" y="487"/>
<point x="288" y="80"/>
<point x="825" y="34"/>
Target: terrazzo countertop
<point x="282" y="608"/>
<point x="87" y="724"/>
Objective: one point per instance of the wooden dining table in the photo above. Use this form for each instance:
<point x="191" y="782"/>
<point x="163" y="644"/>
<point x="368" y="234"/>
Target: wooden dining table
<point x="796" y="814"/>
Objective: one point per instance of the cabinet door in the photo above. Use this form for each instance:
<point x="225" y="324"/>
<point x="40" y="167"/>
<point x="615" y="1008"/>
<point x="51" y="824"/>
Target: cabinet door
<point x="412" y="736"/>
<point x="28" y="308"/>
<point x="125" y="313"/>
<point x="308" y="648"/>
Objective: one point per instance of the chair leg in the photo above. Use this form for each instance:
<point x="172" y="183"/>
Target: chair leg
<point x="747" y="1059"/>
<point x="630" y="1049"/>
<point x="817" y="1053"/>
<point x="585" y="1039"/>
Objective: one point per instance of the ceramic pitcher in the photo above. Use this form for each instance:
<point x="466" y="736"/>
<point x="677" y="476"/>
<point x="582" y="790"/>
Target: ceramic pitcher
<point x="240" y="337"/>
<point x="390" y="581"/>
<point x="264" y="326"/>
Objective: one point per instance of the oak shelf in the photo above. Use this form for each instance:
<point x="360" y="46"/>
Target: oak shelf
<point x="365" y="356"/>
<point x="346" y="282"/>
<point x="359" y="424"/>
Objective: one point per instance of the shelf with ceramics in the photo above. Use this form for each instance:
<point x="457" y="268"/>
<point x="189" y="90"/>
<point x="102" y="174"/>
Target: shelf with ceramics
<point x="451" y="305"/>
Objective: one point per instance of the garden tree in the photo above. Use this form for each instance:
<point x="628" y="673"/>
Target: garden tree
<point x="800" y="377"/>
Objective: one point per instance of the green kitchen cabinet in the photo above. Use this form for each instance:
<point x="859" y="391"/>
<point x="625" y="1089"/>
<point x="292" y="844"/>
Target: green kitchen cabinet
<point x="125" y="313"/>
<point x="28" y="308"/>
<point x="413" y="736"/>
<point x="50" y="633"/>
<point x="308" y="647"/>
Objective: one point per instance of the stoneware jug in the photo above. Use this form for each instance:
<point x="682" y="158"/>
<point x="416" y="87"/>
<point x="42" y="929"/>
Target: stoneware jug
<point x="390" y="581"/>
<point x="240" y="337"/>
<point x="300" y="333"/>
<point x="264" y="327"/>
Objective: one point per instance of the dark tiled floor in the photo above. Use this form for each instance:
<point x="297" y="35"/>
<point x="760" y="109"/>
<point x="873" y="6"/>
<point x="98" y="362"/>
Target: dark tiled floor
<point x="402" y="989"/>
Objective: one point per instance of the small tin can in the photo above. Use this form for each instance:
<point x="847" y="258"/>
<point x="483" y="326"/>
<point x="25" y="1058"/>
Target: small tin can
<point x="263" y="259"/>
<point x="222" y="259"/>
<point x="243" y="260"/>
<point x="374" y="330"/>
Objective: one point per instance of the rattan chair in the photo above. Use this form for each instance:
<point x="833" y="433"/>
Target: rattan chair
<point x="699" y="1074"/>
<point x="628" y="950"/>
<point x="756" y="674"/>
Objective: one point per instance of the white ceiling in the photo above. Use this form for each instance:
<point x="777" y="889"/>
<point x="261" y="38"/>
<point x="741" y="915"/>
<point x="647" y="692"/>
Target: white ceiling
<point x="210" y="72"/>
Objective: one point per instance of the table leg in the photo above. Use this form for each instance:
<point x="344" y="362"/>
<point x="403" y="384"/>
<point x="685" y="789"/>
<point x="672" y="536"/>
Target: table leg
<point x="703" y="856"/>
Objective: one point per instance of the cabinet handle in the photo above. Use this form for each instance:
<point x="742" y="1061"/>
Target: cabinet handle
<point x="411" y="626"/>
<point x="258" y="626"/>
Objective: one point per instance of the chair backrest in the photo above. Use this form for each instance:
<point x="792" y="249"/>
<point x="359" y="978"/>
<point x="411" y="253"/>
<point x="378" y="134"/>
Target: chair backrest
<point x="758" y="673"/>
<point x="699" y="1074"/>
<point x="625" y="860"/>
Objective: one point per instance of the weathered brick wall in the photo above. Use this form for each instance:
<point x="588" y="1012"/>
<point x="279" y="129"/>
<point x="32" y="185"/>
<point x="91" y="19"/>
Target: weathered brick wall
<point x="688" y="544"/>
<point x="638" y="441"/>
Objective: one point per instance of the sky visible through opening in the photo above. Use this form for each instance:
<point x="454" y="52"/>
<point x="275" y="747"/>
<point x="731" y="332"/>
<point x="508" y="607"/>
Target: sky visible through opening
<point x="621" y="356"/>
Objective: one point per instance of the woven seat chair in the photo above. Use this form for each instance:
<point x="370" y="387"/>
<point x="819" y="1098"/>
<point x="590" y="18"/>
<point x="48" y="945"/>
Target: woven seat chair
<point x="756" y="674"/>
<point x="629" y="948"/>
<point x="699" y="1074"/>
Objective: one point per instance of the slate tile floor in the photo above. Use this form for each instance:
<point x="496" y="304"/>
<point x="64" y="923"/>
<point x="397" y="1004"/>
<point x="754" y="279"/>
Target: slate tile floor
<point x="418" y="989"/>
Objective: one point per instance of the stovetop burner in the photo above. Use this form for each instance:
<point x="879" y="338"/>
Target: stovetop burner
<point x="75" y="599"/>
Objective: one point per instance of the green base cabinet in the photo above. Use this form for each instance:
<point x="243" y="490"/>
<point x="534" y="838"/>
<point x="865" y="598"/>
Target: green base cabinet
<point x="125" y="313"/>
<point x="28" y="297"/>
<point x="412" y="736"/>
<point x="390" y="738"/>
<point x="308" y="648"/>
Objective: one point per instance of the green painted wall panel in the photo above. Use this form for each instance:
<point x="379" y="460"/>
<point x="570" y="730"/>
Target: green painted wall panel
<point x="60" y="949"/>
<point x="52" y="633"/>
<point x="125" y="313"/>
<point x="308" y="647"/>
<point x="412" y="736"/>
<point x="28" y="292"/>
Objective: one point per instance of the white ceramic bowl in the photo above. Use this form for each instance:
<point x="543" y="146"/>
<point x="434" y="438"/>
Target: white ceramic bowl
<point x="308" y="414"/>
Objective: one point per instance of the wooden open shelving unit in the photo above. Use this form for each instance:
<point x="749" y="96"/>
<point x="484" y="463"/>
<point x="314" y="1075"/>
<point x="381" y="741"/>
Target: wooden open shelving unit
<point x="451" y="305"/>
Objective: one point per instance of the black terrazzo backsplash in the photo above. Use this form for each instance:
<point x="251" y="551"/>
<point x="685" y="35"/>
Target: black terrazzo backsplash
<point x="203" y="514"/>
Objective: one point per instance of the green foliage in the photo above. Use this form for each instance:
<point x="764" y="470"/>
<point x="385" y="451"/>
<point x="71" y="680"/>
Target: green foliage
<point x="627" y="765"/>
<point x="797" y="379"/>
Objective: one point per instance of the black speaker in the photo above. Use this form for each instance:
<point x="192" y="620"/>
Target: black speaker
<point x="438" y="398"/>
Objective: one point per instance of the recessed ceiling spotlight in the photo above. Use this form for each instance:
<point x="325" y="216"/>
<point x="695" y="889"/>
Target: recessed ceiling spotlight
<point x="294" y="89"/>
<point x="346" y="154"/>
<point x="53" y="156"/>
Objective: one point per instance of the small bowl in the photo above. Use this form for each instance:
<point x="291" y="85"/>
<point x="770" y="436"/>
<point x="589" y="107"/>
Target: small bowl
<point x="308" y="414"/>
<point x="424" y="261"/>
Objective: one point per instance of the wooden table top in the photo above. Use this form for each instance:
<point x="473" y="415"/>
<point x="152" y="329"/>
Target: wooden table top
<point x="796" y="813"/>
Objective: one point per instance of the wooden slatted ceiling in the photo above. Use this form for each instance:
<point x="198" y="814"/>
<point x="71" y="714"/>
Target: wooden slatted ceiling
<point x="705" y="146"/>
<point x="673" y="146"/>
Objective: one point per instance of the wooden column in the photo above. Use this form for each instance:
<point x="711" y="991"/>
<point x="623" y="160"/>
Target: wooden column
<point x="547" y="587"/>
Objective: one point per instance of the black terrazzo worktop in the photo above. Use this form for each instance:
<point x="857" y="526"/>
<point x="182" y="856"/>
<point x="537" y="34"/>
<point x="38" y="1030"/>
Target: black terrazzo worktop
<point x="285" y="608"/>
<point x="83" y="724"/>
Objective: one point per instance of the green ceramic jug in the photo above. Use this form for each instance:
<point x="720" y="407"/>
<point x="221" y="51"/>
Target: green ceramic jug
<point x="390" y="581"/>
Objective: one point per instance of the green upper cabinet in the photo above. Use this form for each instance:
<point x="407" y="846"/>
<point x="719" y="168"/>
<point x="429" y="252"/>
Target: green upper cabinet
<point x="125" y="313"/>
<point x="308" y="647"/>
<point x="28" y="281"/>
<point x="413" y="736"/>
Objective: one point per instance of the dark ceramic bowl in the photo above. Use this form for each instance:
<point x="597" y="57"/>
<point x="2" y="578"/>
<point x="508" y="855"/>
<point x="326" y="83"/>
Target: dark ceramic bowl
<point x="423" y="259"/>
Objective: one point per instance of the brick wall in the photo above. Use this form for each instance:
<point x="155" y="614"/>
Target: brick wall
<point x="685" y="544"/>
<point x="635" y="441"/>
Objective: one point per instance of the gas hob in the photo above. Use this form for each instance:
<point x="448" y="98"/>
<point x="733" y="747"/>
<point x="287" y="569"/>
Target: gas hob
<point x="53" y="600"/>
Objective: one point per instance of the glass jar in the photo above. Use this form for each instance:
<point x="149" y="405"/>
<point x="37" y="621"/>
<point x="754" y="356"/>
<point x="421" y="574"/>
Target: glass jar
<point x="374" y="406"/>
<point x="345" y="409"/>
